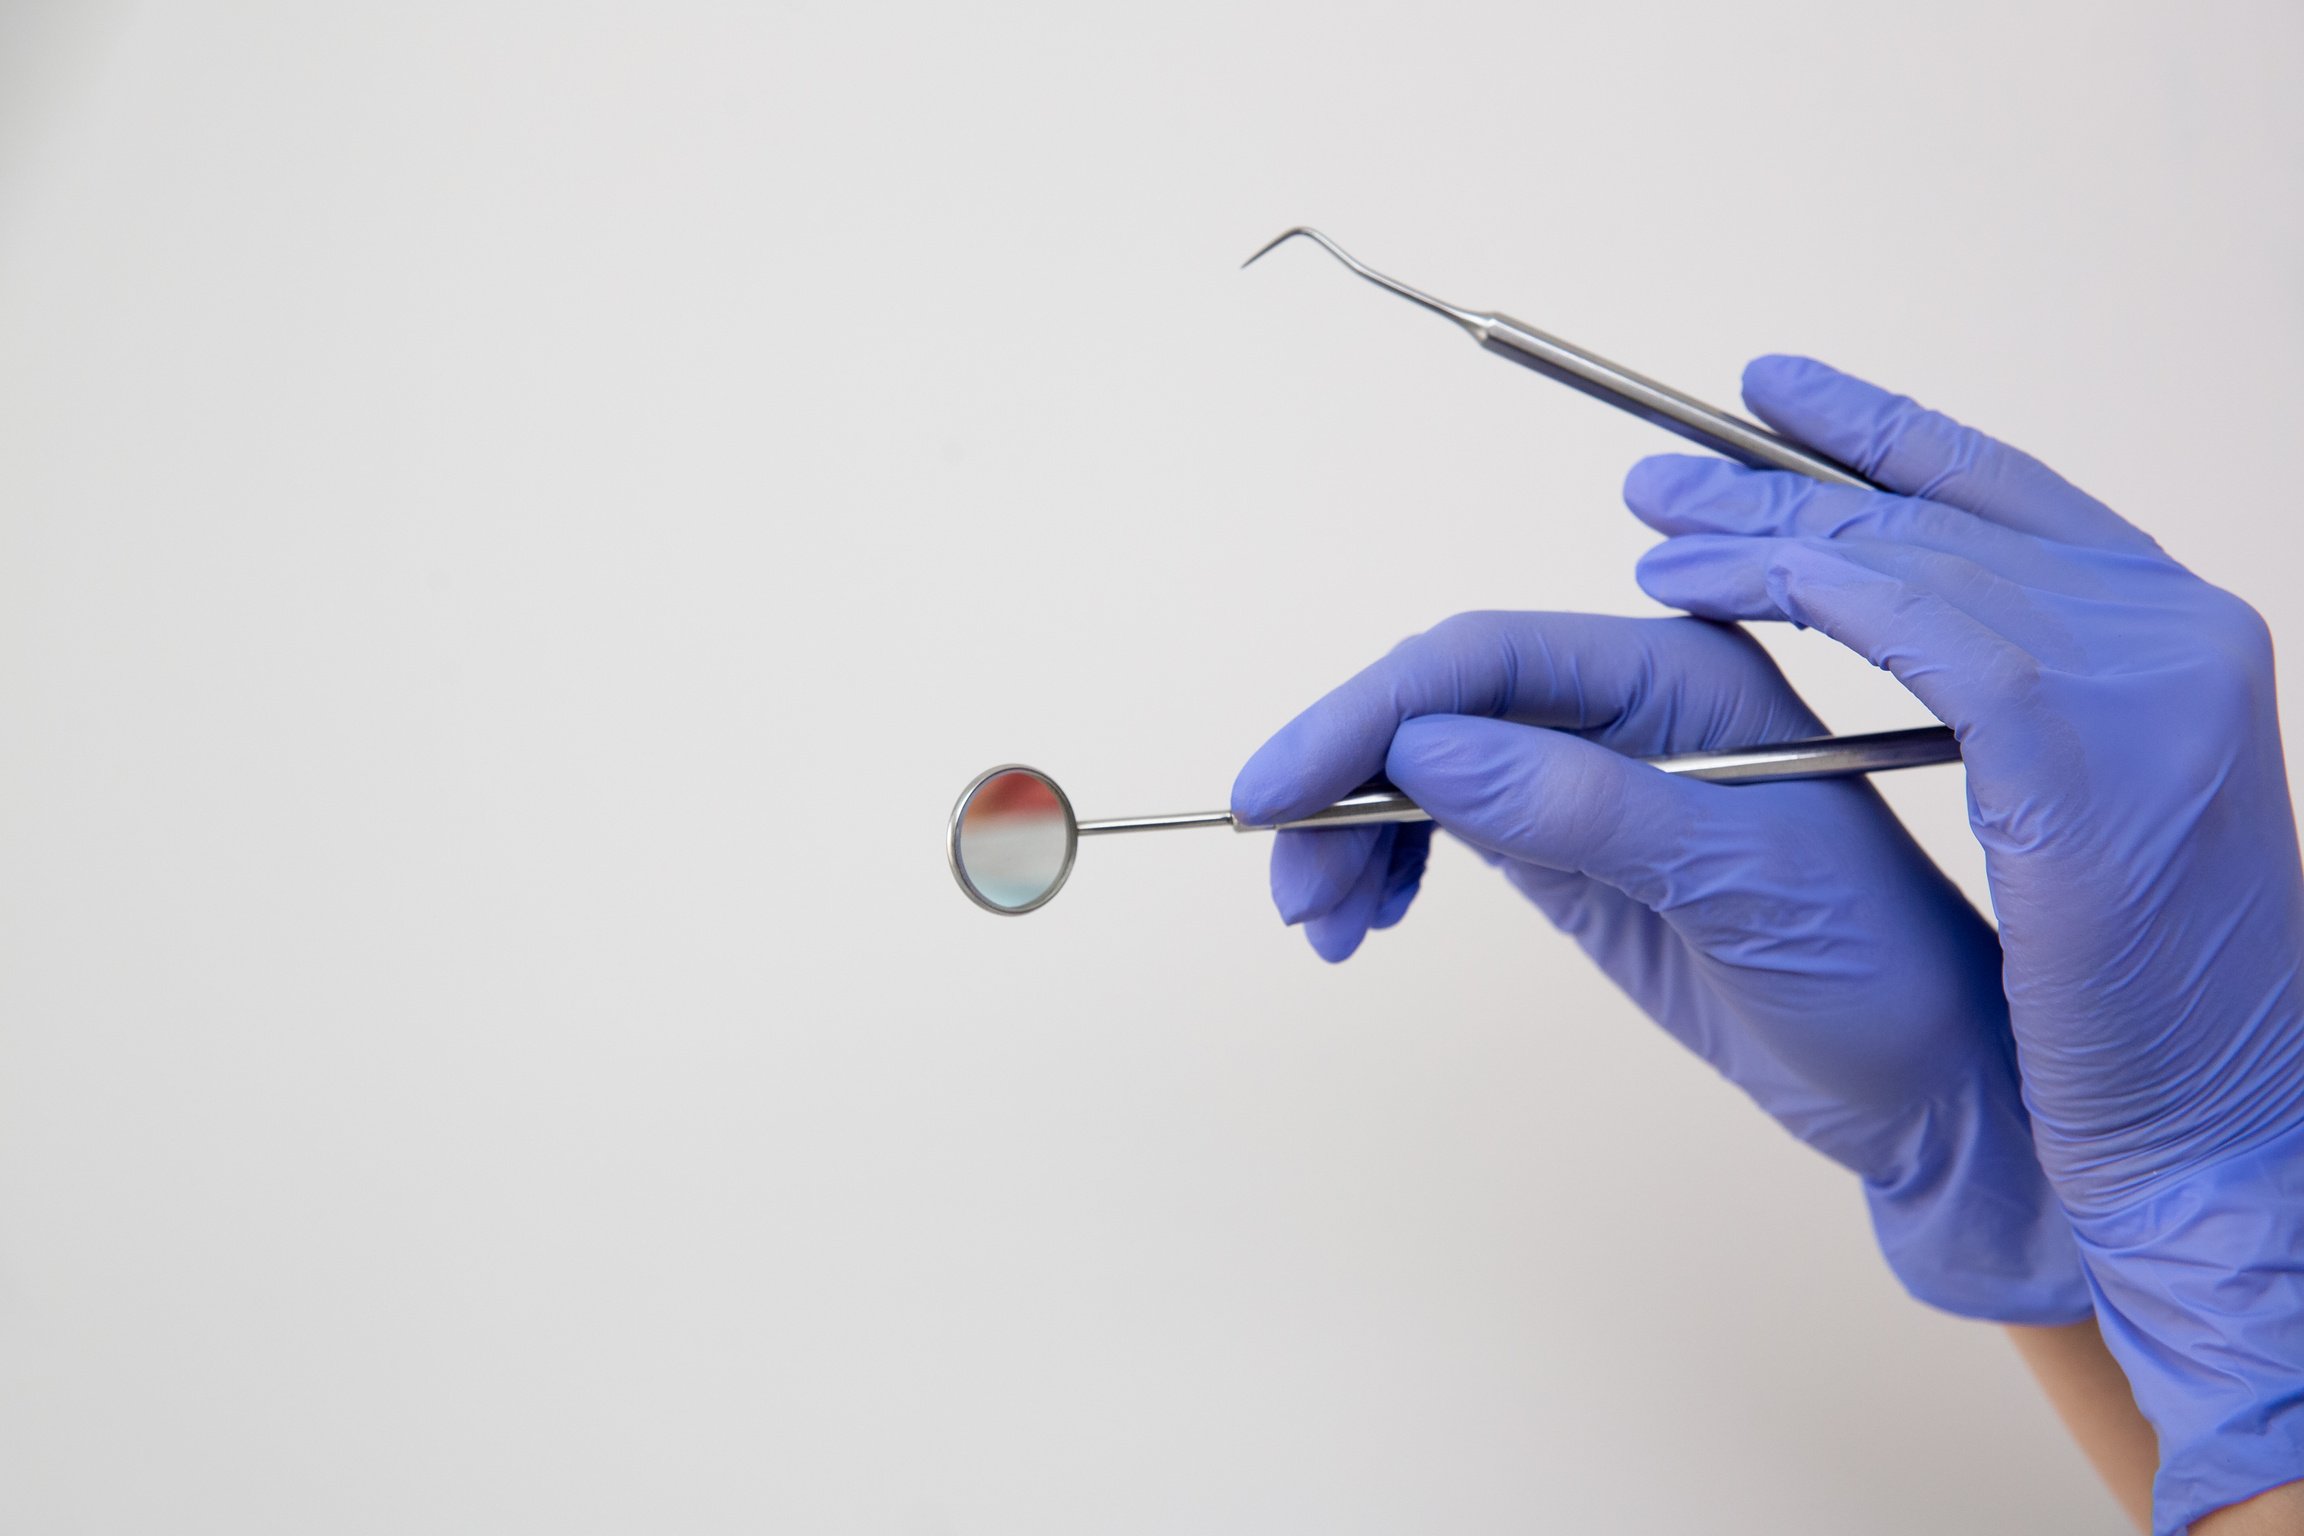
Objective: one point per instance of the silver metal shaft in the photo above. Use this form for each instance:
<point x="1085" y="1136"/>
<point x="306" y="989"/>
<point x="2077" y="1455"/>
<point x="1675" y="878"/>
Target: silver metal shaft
<point x="1747" y="442"/>
<point x="1158" y="823"/>
<point x="1744" y="441"/>
<point x="1826" y="757"/>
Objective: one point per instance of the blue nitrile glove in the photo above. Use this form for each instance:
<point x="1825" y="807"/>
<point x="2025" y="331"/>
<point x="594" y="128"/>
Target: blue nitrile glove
<point x="1790" y="934"/>
<point x="2125" y="779"/>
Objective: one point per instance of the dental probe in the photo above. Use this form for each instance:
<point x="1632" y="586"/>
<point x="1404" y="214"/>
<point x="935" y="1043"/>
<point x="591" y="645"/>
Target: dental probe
<point x="1744" y="441"/>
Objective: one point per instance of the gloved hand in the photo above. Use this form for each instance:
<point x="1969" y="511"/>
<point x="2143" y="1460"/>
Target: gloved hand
<point x="2125" y="778"/>
<point x="1790" y="934"/>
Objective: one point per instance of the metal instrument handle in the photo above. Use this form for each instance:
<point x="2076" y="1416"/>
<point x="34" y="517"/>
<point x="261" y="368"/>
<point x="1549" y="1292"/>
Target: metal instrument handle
<point x="1828" y="757"/>
<point x="1744" y="441"/>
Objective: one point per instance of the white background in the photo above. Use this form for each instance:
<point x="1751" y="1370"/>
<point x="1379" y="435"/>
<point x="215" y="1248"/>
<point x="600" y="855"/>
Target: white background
<point x="516" y="519"/>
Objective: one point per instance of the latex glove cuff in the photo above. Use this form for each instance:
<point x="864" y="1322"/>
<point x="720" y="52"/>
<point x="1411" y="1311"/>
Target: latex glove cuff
<point x="2200" y="1293"/>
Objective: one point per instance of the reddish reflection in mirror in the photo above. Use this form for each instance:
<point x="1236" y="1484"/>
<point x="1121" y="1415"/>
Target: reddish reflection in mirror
<point x="1015" y="840"/>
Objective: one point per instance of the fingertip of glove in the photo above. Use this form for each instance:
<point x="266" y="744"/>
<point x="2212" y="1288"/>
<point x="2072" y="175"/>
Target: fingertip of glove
<point x="1776" y="374"/>
<point x="1313" y="873"/>
<point x="1332" y="940"/>
<point x="1272" y="786"/>
<point x="1663" y="572"/>
<point x="1655" y="483"/>
<point x="1713" y="576"/>
<point x="1297" y="897"/>
<point x="1261" y="791"/>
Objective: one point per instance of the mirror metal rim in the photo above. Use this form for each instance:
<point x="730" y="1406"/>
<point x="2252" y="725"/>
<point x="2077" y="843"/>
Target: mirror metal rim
<point x="960" y="814"/>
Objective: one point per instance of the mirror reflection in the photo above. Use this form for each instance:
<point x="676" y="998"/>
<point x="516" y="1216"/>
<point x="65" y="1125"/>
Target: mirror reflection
<point x="1012" y="839"/>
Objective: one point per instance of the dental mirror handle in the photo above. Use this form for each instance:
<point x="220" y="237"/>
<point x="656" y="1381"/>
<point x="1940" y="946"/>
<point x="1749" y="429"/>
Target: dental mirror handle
<point x="1827" y="757"/>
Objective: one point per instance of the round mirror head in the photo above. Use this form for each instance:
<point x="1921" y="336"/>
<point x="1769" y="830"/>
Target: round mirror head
<point x="1012" y="839"/>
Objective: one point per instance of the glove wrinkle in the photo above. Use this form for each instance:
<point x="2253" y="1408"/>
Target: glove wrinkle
<point x="1791" y="935"/>
<point x="2118" y="726"/>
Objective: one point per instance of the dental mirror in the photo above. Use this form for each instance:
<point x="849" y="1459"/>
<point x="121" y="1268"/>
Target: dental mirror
<point x="1013" y="835"/>
<point x="1012" y="838"/>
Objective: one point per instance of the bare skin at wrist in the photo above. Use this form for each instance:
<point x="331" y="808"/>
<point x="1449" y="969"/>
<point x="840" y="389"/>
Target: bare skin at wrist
<point x="2274" y="1512"/>
<point x="2090" y="1394"/>
<point x="2085" y="1386"/>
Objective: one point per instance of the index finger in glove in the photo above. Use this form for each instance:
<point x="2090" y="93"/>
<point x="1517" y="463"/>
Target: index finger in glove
<point x="1682" y="494"/>
<point x="1918" y="452"/>
<point x="1649" y="685"/>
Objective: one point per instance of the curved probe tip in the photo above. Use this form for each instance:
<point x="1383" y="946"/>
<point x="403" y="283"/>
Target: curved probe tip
<point x="1475" y="324"/>
<point x="1283" y="238"/>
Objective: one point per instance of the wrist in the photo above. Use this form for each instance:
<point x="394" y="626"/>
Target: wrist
<point x="2200" y="1293"/>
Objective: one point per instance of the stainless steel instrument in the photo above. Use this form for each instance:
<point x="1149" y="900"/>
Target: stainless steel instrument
<point x="1012" y="835"/>
<point x="1747" y="442"/>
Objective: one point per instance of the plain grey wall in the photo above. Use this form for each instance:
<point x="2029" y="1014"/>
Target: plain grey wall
<point x="516" y="519"/>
